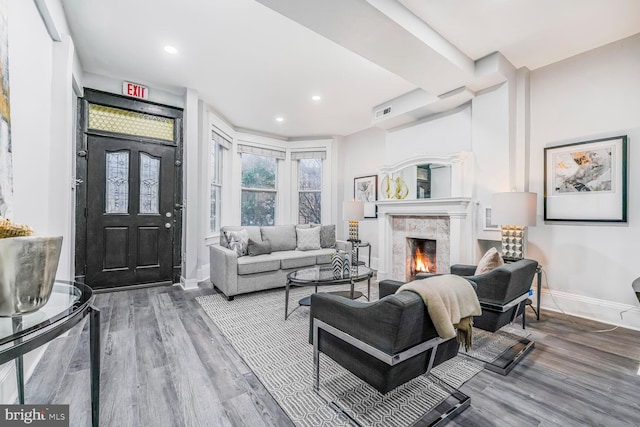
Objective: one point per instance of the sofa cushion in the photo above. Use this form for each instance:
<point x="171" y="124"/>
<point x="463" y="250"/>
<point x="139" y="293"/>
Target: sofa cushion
<point x="323" y="256"/>
<point x="281" y="237"/>
<point x="258" y="248"/>
<point x="308" y="239"/>
<point x="238" y="241"/>
<point x="295" y="259"/>
<point x="252" y="230"/>
<point x="490" y="260"/>
<point x="258" y="264"/>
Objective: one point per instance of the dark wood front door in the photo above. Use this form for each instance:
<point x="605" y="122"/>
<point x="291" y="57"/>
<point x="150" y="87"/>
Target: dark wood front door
<point x="130" y="212"/>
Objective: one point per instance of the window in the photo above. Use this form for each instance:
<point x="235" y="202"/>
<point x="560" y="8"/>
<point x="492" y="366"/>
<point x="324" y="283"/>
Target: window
<point x="218" y="148"/>
<point x="309" y="191"/>
<point x="259" y="193"/>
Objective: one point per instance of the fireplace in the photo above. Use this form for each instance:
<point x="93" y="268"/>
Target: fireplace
<point x="421" y="257"/>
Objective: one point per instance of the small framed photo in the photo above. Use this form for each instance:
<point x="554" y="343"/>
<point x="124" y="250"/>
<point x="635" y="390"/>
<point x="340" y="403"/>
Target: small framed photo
<point x="488" y="225"/>
<point x="586" y="181"/>
<point x="365" y="189"/>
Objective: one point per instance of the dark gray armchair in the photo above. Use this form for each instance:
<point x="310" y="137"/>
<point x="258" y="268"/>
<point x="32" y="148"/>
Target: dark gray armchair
<point x="385" y="343"/>
<point x="502" y="291"/>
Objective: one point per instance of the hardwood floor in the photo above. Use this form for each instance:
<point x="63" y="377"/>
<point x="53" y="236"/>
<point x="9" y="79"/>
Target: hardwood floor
<point x="164" y="363"/>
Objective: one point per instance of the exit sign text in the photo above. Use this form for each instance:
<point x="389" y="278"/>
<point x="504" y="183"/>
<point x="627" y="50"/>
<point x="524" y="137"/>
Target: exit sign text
<point x="135" y="90"/>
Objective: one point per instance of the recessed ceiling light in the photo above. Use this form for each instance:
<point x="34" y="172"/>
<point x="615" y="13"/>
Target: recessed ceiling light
<point x="316" y="97"/>
<point x="279" y="119"/>
<point x="170" y="49"/>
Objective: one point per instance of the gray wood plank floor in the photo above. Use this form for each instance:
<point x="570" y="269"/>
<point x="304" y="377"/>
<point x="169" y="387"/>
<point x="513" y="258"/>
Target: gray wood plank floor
<point x="165" y="363"/>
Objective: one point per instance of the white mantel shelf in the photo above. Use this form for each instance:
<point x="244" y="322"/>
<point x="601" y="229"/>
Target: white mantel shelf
<point x="458" y="209"/>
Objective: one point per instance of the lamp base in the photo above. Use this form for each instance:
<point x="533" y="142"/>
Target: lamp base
<point x="514" y="241"/>
<point x="353" y="230"/>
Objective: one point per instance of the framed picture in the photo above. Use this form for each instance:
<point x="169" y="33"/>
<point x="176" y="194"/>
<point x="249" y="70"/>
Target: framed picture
<point x="586" y="181"/>
<point x="487" y="220"/>
<point x="365" y="189"/>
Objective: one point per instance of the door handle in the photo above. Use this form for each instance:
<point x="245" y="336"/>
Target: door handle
<point x="167" y="225"/>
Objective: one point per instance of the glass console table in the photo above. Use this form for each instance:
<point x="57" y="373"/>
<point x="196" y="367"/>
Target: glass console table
<point x="69" y="303"/>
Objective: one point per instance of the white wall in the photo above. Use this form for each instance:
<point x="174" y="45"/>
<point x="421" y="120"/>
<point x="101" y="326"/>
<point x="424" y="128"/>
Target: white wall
<point x="362" y="154"/>
<point x="442" y="134"/>
<point x="590" y="266"/>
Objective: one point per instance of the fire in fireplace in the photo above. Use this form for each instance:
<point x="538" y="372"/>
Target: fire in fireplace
<point x="421" y="257"/>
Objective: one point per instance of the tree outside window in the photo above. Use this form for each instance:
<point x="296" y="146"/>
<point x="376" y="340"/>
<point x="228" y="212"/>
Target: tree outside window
<point x="258" y="204"/>
<point x="309" y="191"/>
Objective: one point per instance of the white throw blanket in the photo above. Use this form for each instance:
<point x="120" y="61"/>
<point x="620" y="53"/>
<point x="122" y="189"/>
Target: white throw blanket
<point x="451" y="303"/>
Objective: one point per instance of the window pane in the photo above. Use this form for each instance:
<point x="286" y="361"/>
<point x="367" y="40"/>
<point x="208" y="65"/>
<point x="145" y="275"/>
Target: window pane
<point x="309" y="208"/>
<point x="130" y="122"/>
<point x="258" y="171"/>
<point x="215" y="208"/>
<point x="117" y="183"/>
<point x="149" y="184"/>
<point x="258" y="208"/>
<point x="309" y="174"/>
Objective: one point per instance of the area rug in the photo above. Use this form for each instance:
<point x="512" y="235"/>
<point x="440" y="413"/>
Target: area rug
<point x="279" y="354"/>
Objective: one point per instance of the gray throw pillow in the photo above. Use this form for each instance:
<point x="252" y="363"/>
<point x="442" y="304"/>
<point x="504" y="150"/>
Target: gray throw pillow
<point x="281" y="237"/>
<point x="238" y="241"/>
<point x="258" y="248"/>
<point x="328" y="236"/>
<point x="308" y="238"/>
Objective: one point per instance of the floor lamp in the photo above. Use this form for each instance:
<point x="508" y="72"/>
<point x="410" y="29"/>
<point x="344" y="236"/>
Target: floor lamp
<point x="514" y="211"/>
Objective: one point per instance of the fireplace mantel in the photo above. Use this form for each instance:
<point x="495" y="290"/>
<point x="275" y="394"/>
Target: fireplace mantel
<point x="457" y="209"/>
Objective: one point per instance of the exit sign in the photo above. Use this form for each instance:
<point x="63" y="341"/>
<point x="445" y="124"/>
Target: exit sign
<point x="135" y="90"/>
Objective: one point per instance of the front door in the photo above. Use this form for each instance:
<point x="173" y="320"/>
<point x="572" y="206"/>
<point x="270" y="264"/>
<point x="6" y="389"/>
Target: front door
<point x="130" y="205"/>
<point x="128" y="192"/>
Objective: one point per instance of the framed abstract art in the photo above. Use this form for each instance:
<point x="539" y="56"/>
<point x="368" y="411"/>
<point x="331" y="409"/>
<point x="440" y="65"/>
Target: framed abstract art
<point x="586" y="181"/>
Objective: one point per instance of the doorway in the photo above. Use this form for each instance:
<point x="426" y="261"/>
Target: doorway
<point x="128" y="192"/>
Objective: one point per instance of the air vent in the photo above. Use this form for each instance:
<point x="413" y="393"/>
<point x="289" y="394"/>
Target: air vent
<point x="382" y="112"/>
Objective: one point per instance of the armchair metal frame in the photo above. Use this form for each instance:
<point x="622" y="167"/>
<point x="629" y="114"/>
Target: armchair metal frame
<point x="439" y="415"/>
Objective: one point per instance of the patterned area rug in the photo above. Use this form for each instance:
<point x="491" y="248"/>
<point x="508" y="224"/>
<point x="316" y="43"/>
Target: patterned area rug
<point x="279" y="353"/>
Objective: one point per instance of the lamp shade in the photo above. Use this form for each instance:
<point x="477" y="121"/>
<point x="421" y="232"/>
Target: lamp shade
<point x="352" y="211"/>
<point x="514" y="208"/>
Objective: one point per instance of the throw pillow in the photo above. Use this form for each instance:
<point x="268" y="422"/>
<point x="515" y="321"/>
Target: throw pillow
<point x="238" y="241"/>
<point x="308" y="239"/>
<point x="258" y="248"/>
<point x="328" y="236"/>
<point x="490" y="260"/>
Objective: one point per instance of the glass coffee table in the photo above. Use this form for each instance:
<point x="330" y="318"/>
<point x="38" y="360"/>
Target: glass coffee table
<point x="324" y="276"/>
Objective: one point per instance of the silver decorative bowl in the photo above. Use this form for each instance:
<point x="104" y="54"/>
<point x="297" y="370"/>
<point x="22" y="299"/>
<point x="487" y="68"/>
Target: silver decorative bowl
<point x="28" y="268"/>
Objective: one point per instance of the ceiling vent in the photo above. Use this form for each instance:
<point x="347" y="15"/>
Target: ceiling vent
<point x="382" y="112"/>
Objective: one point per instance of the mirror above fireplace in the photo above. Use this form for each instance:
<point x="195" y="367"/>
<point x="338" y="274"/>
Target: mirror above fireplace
<point x="428" y="177"/>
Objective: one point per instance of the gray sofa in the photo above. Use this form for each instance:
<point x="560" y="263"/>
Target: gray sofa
<point x="233" y="274"/>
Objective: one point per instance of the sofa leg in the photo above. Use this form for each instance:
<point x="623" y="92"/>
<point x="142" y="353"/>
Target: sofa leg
<point x="229" y="298"/>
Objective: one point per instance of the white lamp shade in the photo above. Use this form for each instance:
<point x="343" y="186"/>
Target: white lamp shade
<point x="514" y="208"/>
<point x="352" y="211"/>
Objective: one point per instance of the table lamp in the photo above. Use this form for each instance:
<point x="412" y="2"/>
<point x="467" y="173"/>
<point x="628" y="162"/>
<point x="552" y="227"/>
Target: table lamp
<point x="353" y="212"/>
<point x="514" y="211"/>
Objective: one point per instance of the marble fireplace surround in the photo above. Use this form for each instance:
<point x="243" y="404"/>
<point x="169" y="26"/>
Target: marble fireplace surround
<point x="446" y="220"/>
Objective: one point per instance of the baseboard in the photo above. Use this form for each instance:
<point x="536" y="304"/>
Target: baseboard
<point x="187" y="284"/>
<point x="591" y="308"/>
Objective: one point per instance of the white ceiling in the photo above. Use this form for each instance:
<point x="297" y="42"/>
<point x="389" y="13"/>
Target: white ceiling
<point x="252" y="64"/>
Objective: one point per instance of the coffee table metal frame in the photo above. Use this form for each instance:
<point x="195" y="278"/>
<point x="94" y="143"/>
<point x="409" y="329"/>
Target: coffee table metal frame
<point x="363" y="273"/>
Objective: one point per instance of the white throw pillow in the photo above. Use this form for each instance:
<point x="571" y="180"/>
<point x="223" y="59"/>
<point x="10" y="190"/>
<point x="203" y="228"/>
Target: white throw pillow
<point x="490" y="260"/>
<point x="308" y="238"/>
<point x="238" y="241"/>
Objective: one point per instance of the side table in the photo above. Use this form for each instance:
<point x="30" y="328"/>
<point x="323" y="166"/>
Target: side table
<point x="69" y="303"/>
